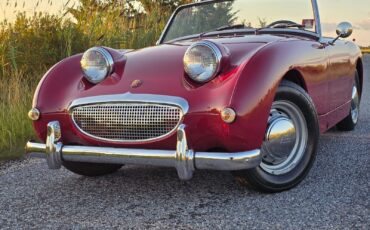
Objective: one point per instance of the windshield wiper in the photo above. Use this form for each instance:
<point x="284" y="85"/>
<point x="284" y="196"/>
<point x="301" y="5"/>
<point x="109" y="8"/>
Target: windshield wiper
<point x="288" y="26"/>
<point x="279" y="27"/>
<point x="225" y="27"/>
<point x="229" y="27"/>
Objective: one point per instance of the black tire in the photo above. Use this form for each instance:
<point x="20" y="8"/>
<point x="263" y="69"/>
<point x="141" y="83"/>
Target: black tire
<point x="349" y="123"/>
<point x="91" y="169"/>
<point x="260" y="179"/>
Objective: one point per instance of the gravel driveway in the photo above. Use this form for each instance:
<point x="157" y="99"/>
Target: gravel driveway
<point x="335" y="195"/>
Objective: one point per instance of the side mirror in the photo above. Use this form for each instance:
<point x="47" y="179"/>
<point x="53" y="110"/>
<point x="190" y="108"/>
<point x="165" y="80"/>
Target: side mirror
<point x="344" y="30"/>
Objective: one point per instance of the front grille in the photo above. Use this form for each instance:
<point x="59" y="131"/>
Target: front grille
<point x="127" y="122"/>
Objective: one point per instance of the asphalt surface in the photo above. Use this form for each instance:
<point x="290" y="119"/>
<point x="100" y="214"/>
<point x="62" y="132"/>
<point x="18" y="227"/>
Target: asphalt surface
<point x="335" y="195"/>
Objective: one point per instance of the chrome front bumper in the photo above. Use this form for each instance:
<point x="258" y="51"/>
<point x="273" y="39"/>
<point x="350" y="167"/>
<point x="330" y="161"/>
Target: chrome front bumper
<point x="183" y="159"/>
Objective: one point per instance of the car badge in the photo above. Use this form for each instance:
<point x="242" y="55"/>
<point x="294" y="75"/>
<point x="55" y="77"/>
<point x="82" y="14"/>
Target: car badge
<point x="136" y="84"/>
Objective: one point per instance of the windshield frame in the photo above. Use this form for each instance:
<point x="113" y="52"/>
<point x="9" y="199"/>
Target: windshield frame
<point x="315" y="8"/>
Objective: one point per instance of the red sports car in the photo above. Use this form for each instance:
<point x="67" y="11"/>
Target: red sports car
<point x="242" y="86"/>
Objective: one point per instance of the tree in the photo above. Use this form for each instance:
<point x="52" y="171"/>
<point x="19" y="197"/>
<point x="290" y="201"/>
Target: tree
<point x="169" y="5"/>
<point x="202" y="19"/>
<point x="123" y="23"/>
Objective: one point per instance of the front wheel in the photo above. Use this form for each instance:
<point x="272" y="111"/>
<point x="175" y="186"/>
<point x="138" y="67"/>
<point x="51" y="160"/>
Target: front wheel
<point x="290" y="144"/>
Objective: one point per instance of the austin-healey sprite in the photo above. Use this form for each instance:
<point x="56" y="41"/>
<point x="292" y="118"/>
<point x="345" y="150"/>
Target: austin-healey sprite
<point x="231" y="85"/>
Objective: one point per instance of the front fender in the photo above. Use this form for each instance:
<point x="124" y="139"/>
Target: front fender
<point x="261" y="76"/>
<point x="51" y="88"/>
<point x="65" y="81"/>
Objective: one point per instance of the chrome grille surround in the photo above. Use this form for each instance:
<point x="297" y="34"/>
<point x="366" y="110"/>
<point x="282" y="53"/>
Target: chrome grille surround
<point x="128" y="118"/>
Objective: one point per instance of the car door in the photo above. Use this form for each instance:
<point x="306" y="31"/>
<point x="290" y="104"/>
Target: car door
<point x="340" y="78"/>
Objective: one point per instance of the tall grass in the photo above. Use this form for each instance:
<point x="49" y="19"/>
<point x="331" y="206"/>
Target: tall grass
<point x="365" y="50"/>
<point x="33" y="43"/>
<point x="15" y="127"/>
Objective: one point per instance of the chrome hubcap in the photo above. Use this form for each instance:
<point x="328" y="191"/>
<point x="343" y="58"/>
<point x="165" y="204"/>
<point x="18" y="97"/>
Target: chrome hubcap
<point x="355" y="105"/>
<point x="285" y="140"/>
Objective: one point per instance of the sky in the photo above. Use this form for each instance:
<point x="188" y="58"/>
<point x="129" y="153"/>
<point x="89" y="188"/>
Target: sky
<point x="9" y="7"/>
<point x="332" y="13"/>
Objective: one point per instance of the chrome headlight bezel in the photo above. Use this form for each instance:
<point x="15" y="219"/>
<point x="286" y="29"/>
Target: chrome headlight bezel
<point x="109" y="65"/>
<point x="217" y="56"/>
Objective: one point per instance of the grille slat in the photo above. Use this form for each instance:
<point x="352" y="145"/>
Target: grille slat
<point x="125" y="122"/>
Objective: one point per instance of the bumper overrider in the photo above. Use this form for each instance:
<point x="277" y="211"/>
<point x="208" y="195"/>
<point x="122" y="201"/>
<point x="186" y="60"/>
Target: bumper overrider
<point x="185" y="160"/>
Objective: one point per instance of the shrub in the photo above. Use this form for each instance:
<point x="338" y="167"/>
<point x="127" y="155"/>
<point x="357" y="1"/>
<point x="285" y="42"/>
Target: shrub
<point x="32" y="44"/>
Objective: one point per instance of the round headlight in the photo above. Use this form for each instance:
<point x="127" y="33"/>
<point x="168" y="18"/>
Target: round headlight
<point x="202" y="61"/>
<point x="97" y="64"/>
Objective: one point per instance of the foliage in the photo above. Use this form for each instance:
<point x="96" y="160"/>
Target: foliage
<point x="365" y="50"/>
<point x="33" y="43"/>
<point x="123" y="24"/>
<point x="15" y="127"/>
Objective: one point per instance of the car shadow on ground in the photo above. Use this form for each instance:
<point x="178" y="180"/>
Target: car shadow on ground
<point x="156" y="183"/>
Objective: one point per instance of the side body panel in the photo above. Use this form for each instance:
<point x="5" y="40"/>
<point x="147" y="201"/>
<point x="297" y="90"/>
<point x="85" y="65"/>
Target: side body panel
<point x="343" y="57"/>
<point x="341" y="74"/>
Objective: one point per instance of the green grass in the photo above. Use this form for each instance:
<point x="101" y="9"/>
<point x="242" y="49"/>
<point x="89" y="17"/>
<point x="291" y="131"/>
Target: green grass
<point x="365" y="50"/>
<point x="33" y="43"/>
<point x="15" y="127"/>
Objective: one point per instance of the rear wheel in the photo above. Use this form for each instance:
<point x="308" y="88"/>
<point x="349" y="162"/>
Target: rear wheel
<point x="91" y="169"/>
<point x="290" y="143"/>
<point x="349" y="123"/>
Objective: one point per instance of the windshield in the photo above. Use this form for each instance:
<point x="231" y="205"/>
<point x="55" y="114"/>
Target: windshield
<point x="220" y="15"/>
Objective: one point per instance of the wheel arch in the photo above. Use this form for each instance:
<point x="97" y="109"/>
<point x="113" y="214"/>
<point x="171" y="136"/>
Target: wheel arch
<point x="295" y="77"/>
<point x="261" y="76"/>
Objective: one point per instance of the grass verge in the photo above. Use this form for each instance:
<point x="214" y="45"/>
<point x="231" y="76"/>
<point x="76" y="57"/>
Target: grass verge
<point x="15" y="127"/>
<point x="32" y="43"/>
<point x="366" y="51"/>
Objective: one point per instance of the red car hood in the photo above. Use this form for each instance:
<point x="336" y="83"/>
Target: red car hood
<point x="153" y="70"/>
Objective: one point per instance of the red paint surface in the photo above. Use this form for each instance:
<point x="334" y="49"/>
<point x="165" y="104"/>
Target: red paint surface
<point x="252" y="70"/>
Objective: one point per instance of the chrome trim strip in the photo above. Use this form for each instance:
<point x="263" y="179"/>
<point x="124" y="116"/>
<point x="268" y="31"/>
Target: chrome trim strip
<point x="128" y="97"/>
<point x="246" y="32"/>
<point x="116" y="155"/>
<point x="184" y="163"/>
<point x="227" y="161"/>
<point x="52" y="150"/>
<point x="143" y="99"/>
<point x="317" y="17"/>
<point x="185" y="160"/>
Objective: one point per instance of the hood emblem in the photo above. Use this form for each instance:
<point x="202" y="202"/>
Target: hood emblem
<point x="136" y="83"/>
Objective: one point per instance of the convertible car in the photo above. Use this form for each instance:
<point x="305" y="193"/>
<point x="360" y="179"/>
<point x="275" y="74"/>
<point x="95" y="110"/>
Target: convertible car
<point x="235" y="85"/>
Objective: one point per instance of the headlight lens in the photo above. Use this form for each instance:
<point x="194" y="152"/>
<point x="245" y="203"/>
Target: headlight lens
<point x="202" y="61"/>
<point x="97" y="64"/>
